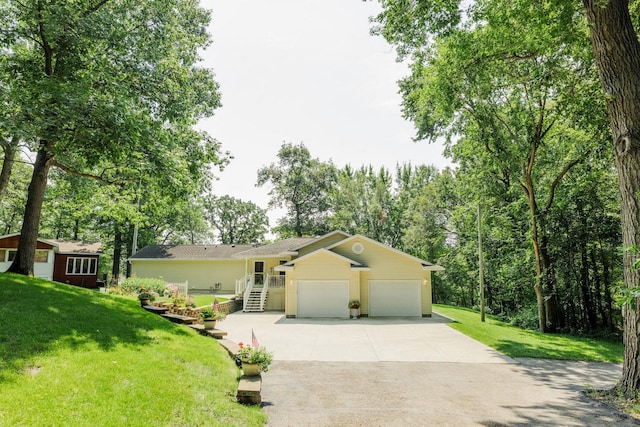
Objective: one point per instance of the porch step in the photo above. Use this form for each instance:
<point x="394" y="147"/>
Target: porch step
<point x="215" y="333"/>
<point x="253" y="301"/>
<point x="155" y="309"/>
<point x="177" y="318"/>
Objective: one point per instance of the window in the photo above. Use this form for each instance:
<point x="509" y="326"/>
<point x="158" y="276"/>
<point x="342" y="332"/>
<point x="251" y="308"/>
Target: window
<point x="81" y="266"/>
<point x="41" y="256"/>
<point x="12" y="255"/>
<point x="3" y="255"/>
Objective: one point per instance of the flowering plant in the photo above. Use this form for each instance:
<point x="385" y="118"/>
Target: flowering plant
<point x="210" y="313"/>
<point x="144" y="294"/>
<point x="260" y="356"/>
<point x="354" y="304"/>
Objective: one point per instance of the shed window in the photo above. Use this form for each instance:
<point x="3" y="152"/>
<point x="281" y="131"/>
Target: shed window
<point x="3" y="255"/>
<point x="12" y="255"/>
<point x="81" y="266"/>
<point x="41" y="256"/>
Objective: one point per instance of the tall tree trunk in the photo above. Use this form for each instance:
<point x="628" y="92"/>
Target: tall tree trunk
<point x="23" y="261"/>
<point x="129" y="249"/>
<point x="117" y="254"/>
<point x="608" y="299"/>
<point x="598" y="286"/>
<point x="9" y="149"/>
<point x="617" y="54"/>
<point x="585" y="288"/>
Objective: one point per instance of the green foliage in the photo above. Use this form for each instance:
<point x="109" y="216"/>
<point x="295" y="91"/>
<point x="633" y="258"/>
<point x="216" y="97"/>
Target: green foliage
<point x="61" y="343"/>
<point x="236" y="221"/>
<point x="210" y="313"/>
<point x="525" y="318"/>
<point x="258" y="355"/>
<point x="301" y="184"/>
<point x="137" y="284"/>
<point x="354" y="304"/>
<point x="111" y="90"/>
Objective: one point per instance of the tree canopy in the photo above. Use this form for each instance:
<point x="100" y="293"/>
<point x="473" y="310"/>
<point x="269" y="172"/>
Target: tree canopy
<point x="110" y="90"/>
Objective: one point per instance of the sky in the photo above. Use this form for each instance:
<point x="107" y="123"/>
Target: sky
<point x="305" y="71"/>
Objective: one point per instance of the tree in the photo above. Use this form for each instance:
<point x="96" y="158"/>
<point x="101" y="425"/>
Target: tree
<point x="614" y="40"/>
<point x="617" y="55"/>
<point x="106" y="86"/>
<point x="236" y="221"/>
<point x="301" y="184"/>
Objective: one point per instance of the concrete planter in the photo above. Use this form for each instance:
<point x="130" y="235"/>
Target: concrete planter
<point x="250" y="369"/>
<point x="209" y="324"/>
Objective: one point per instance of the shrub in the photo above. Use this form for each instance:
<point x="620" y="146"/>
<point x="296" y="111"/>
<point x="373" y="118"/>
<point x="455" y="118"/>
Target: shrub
<point x="526" y="318"/>
<point x="136" y="284"/>
<point x="487" y="309"/>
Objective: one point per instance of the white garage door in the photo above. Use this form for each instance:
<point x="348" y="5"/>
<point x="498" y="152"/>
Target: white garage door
<point x="323" y="298"/>
<point x="395" y="298"/>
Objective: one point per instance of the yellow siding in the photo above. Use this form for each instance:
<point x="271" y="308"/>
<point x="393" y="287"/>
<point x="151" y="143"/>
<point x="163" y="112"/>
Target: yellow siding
<point x="426" y="295"/>
<point x="275" y="300"/>
<point x="386" y="264"/>
<point x="200" y="274"/>
<point x="322" y="266"/>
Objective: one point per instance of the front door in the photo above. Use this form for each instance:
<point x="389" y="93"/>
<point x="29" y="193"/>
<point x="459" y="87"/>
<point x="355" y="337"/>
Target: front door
<point x="258" y="272"/>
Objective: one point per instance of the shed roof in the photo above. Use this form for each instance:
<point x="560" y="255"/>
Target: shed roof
<point x="76" y="247"/>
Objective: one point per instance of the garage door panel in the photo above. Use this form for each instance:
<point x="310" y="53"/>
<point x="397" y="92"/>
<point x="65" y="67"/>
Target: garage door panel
<point x="323" y="298"/>
<point x="395" y="298"/>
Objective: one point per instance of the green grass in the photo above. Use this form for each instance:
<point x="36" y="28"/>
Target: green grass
<point x="517" y="342"/>
<point x="202" y="300"/>
<point x="71" y="356"/>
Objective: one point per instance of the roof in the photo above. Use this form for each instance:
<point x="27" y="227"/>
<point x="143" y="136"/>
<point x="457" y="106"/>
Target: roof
<point x="66" y="246"/>
<point x="76" y="247"/>
<point x="319" y="238"/>
<point x="189" y="252"/>
<point x="280" y="248"/>
<point x="353" y="263"/>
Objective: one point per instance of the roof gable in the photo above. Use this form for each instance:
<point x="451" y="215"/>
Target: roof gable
<point x="320" y="252"/>
<point x="322" y="242"/>
<point x="353" y="239"/>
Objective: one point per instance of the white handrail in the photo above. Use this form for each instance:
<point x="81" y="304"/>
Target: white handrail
<point x="247" y="291"/>
<point x="276" y="281"/>
<point x="263" y="295"/>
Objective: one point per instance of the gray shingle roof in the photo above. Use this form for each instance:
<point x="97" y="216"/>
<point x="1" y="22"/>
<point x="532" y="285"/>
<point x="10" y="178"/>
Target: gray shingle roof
<point x="190" y="252"/>
<point x="274" y="249"/>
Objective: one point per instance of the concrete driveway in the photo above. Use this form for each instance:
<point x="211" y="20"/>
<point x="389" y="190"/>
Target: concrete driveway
<point x="361" y="340"/>
<point x="414" y="372"/>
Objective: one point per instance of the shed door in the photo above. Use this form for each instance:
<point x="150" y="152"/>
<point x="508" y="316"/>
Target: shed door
<point x="323" y="298"/>
<point x="395" y="298"/>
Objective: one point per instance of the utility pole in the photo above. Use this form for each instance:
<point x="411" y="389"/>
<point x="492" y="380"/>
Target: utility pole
<point x="480" y="265"/>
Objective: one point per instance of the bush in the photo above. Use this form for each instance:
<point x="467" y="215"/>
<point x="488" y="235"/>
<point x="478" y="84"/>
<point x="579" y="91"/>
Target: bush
<point x="487" y="309"/>
<point x="136" y="284"/>
<point x="527" y="318"/>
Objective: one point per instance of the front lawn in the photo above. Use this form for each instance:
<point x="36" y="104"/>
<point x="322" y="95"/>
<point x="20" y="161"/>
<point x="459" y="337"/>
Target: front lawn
<point x="71" y="356"/>
<point x="517" y="342"/>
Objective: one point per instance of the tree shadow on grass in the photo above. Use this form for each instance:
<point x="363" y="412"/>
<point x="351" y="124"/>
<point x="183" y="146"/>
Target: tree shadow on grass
<point x="38" y="317"/>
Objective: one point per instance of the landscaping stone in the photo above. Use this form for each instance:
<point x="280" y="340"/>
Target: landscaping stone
<point x="249" y="389"/>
